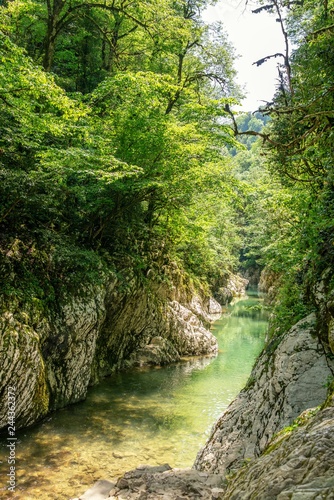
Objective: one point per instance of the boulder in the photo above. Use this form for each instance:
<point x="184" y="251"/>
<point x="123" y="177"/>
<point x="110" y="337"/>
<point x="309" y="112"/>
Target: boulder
<point x="298" y="465"/>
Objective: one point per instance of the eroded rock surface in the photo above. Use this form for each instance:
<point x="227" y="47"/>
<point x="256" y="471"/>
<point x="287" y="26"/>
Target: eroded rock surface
<point x="230" y="287"/>
<point x="155" y="328"/>
<point x="48" y="361"/>
<point x="162" y="482"/>
<point x="300" y="466"/>
<point x="286" y="380"/>
<point x="51" y="358"/>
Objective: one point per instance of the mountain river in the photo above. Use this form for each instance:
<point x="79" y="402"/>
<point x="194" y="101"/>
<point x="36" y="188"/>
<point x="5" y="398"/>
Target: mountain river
<point x="143" y="416"/>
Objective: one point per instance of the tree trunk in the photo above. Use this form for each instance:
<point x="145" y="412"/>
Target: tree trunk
<point x="55" y="8"/>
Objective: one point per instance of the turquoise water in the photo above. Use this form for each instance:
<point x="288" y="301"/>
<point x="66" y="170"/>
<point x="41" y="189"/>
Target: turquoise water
<point x="151" y="415"/>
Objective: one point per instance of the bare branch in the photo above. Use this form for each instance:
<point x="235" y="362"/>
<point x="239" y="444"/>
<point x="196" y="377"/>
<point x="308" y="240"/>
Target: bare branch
<point x="264" y="59"/>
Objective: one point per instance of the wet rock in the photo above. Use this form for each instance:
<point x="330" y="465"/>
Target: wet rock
<point x="146" y="329"/>
<point x="48" y="362"/>
<point x="50" y="359"/>
<point x="232" y="286"/>
<point x="287" y="379"/>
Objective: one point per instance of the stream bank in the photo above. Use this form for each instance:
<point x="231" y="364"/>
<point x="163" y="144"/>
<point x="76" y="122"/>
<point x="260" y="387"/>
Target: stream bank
<point x="145" y="415"/>
<point x="52" y="356"/>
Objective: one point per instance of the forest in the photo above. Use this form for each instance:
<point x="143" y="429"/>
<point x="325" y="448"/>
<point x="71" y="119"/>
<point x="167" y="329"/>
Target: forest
<point x="120" y="150"/>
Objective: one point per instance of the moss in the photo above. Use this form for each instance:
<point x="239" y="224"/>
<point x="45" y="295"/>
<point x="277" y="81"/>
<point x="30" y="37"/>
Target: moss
<point x="300" y="421"/>
<point x="330" y="395"/>
<point x="250" y="383"/>
<point x="41" y="397"/>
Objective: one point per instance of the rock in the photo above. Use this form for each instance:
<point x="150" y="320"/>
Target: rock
<point x="153" y="483"/>
<point x="51" y="357"/>
<point x="287" y="379"/>
<point x="99" y="491"/>
<point x="252" y="275"/>
<point x="300" y="466"/>
<point x="151" y="329"/>
<point x="70" y="347"/>
<point x="48" y="362"/>
<point x="323" y="296"/>
<point x="269" y="284"/>
<point x="232" y="286"/>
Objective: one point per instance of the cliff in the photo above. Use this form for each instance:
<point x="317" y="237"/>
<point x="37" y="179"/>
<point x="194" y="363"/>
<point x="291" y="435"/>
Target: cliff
<point x="51" y="357"/>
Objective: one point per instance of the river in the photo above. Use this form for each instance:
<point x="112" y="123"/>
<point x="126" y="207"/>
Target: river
<point x="144" y="416"/>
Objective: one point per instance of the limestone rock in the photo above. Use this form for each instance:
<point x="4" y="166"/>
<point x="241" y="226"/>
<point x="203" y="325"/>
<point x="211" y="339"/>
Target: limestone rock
<point x="50" y="358"/>
<point x="142" y="327"/>
<point x="287" y="379"/>
<point x="69" y="349"/>
<point x="162" y="482"/>
<point x="48" y="361"/>
<point x="299" y="467"/>
<point x="22" y="370"/>
<point x="323" y="295"/>
<point x="231" y="287"/>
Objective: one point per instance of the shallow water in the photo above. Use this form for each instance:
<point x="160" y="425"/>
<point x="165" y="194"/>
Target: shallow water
<point x="150" y="416"/>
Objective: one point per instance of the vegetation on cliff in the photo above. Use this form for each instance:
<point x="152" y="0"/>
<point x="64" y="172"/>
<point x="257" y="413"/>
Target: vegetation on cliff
<point x="118" y="149"/>
<point x="289" y="214"/>
<point x="113" y="138"/>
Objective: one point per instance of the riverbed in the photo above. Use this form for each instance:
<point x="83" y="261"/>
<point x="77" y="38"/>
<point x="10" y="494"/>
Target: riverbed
<point x="143" y="416"/>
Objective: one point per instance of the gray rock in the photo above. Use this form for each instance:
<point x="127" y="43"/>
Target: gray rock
<point x="99" y="491"/>
<point x="286" y="380"/>
<point x="162" y="482"/>
<point x="299" y="466"/>
<point x="51" y="361"/>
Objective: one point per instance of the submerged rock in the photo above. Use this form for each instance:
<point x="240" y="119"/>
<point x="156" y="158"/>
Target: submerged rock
<point x="299" y="465"/>
<point x="99" y="491"/>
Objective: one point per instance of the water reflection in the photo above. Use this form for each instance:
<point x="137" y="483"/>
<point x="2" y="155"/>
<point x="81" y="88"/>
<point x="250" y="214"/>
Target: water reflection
<point x="154" y="415"/>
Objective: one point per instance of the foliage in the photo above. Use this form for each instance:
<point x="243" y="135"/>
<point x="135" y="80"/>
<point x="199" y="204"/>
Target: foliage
<point x="290" y="228"/>
<point x="117" y="149"/>
<point x="106" y="160"/>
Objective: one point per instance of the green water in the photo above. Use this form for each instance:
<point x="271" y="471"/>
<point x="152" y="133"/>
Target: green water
<point x="152" y="416"/>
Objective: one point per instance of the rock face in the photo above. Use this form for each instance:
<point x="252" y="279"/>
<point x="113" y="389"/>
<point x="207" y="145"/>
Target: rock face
<point x="286" y="380"/>
<point x="51" y="360"/>
<point x="22" y="370"/>
<point x="155" y="328"/>
<point x="299" y="465"/>
<point x="161" y="482"/>
<point x="48" y="361"/>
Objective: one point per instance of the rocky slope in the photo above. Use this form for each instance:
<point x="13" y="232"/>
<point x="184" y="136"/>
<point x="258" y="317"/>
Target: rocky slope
<point x="299" y="464"/>
<point x="51" y="358"/>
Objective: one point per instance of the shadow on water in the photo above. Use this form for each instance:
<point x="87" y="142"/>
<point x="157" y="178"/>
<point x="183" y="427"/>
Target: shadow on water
<point x="151" y="415"/>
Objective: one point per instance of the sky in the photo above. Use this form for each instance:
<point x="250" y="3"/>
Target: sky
<point x="253" y="36"/>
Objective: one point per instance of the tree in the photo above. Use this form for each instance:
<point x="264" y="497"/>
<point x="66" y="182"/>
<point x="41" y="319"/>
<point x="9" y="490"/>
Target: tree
<point x="114" y="173"/>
